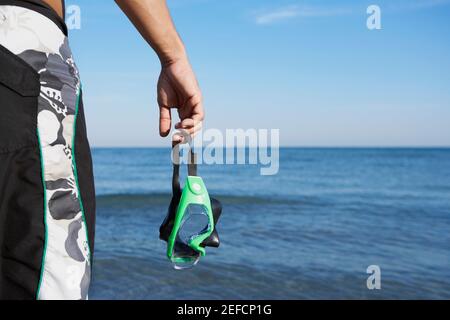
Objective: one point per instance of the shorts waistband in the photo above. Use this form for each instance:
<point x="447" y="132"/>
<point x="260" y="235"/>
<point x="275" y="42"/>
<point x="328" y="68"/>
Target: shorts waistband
<point x="43" y="9"/>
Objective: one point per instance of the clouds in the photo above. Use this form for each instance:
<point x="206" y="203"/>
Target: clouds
<point x="277" y="15"/>
<point x="296" y="11"/>
<point x="416" y="4"/>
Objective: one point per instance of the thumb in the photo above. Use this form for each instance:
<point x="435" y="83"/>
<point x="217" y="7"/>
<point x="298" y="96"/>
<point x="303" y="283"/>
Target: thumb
<point x="165" y="121"/>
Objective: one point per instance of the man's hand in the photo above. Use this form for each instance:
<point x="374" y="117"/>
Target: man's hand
<point x="177" y="85"/>
<point x="178" y="88"/>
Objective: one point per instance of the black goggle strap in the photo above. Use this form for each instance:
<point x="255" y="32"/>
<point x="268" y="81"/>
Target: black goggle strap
<point x="192" y="168"/>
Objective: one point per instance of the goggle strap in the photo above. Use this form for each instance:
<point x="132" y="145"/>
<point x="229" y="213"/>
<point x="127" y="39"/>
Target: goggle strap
<point x="192" y="163"/>
<point x="192" y="169"/>
<point x="176" y="188"/>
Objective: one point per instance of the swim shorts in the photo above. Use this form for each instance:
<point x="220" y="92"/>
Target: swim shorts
<point x="47" y="198"/>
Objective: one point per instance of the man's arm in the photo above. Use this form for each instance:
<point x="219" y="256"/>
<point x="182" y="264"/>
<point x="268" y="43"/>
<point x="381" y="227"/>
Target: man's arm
<point x="177" y="85"/>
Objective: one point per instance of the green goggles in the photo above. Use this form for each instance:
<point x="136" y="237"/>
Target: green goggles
<point x="190" y="223"/>
<point x="193" y="224"/>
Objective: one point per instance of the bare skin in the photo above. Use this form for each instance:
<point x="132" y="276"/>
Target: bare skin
<point x="56" y="5"/>
<point x="177" y="86"/>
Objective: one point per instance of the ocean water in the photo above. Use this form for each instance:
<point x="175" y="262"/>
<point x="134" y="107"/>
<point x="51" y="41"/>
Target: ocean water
<point x="309" y="232"/>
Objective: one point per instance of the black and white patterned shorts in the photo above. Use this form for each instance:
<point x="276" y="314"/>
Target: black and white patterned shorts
<point x="47" y="198"/>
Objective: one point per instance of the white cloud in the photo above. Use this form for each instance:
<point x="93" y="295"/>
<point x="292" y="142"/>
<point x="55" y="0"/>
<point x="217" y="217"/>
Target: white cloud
<point x="277" y="15"/>
<point x="297" y="11"/>
<point x="416" y="4"/>
<point x="294" y="11"/>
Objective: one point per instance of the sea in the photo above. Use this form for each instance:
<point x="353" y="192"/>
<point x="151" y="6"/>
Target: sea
<point x="333" y="223"/>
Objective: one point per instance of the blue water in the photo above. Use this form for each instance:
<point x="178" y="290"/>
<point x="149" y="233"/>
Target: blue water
<point x="308" y="232"/>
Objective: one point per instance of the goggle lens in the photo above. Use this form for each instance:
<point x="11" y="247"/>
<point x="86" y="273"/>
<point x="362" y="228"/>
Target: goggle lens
<point x="194" y="224"/>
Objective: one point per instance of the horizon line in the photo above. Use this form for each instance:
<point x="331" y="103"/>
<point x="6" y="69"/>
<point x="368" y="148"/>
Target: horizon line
<point x="293" y="147"/>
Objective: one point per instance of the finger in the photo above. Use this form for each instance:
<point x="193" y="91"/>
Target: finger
<point x="185" y="124"/>
<point x="189" y="123"/>
<point x="165" y="120"/>
<point x="196" y="114"/>
<point x="176" y="138"/>
<point x="179" y="139"/>
<point x="198" y="122"/>
<point x="192" y="128"/>
<point x="181" y="136"/>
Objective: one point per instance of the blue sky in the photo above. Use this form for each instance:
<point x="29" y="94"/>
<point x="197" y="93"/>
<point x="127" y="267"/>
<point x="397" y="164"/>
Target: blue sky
<point x="309" y="68"/>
